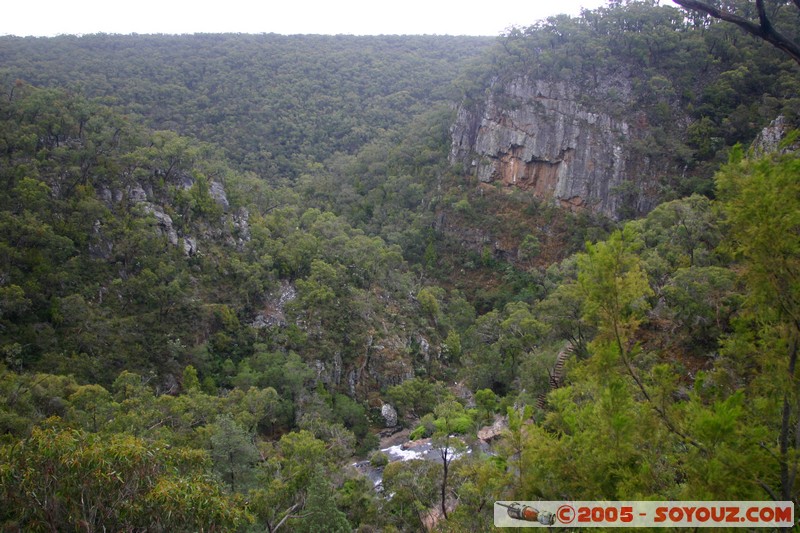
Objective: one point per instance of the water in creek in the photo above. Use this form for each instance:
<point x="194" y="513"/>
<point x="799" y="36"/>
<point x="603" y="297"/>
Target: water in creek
<point x="421" y="449"/>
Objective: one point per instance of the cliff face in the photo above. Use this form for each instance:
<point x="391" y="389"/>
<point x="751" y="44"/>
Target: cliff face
<point x="535" y="135"/>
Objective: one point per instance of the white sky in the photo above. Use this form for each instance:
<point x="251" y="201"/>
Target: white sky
<point x="359" y="17"/>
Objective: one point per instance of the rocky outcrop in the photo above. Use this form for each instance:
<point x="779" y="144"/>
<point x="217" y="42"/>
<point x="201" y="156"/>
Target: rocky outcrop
<point x="537" y="136"/>
<point x="771" y="139"/>
<point x="273" y="312"/>
<point x="141" y="196"/>
<point x="163" y="220"/>
<point x="490" y="433"/>
<point x="217" y="192"/>
<point x="240" y="221"/>
<point x="100" y="246"/>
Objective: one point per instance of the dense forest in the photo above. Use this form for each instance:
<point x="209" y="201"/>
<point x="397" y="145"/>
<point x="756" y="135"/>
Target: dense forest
<point x="236" y="269"/>
<point x="275" y="103"/>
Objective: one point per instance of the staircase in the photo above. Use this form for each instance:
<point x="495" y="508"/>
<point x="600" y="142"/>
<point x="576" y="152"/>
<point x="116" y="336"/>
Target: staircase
<point x="557" y="375"/>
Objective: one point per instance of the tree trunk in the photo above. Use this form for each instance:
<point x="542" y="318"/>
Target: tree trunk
<point x="788" y="474"/>
<point x="445" y="452"/>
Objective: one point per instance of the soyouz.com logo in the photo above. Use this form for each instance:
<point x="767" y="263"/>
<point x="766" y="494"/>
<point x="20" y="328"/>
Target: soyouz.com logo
<point x="643" y="514"/>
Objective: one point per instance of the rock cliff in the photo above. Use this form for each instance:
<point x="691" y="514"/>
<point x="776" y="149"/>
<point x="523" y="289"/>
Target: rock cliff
<point x="536" y="135"/>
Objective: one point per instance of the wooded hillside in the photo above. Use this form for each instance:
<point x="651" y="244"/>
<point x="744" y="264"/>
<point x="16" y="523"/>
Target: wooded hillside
<point x="226" y="260"/>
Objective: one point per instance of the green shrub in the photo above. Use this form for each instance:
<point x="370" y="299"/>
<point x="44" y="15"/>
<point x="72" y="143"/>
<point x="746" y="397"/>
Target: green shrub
<point x="459" y="425"/>
<point x="418" y="433"/>
<point x="379" y="459"/>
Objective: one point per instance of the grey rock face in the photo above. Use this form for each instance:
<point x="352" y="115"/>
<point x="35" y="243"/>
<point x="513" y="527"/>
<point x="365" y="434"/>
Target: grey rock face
<point x="217" y="192"/>
<point x="165" y="226"/>
<point x="189" y="246"/>
<point x="241" y="227"/>
<point x="273" y="312"/>
<point x="185" y="181"/>
<point x="100" y="247"/>
<point x="536" y="136"/>
<point x="105" y="194"/>
<point x="136" y="193"/>
<point x="770" y="139"/>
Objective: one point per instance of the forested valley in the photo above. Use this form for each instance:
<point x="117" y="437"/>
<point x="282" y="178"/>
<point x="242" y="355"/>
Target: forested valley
<point x="235" y="270"/>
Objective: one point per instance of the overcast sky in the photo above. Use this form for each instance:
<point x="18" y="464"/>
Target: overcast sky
<point x="359" y="17"/>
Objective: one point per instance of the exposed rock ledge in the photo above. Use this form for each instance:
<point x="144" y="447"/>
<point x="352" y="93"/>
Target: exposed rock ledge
<point x="772" y="138"/>
<point x="489" y="433"/>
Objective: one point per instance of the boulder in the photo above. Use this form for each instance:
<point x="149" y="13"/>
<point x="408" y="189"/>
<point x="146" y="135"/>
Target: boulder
<point x="389" y="415"/>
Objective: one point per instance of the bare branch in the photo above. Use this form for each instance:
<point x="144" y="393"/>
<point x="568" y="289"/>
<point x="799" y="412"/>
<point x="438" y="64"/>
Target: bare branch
<point x="768" y="490"/>
<point x="763" y="30"/>
<point x="770" y="452"/>
<point x="288" y="514"/>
